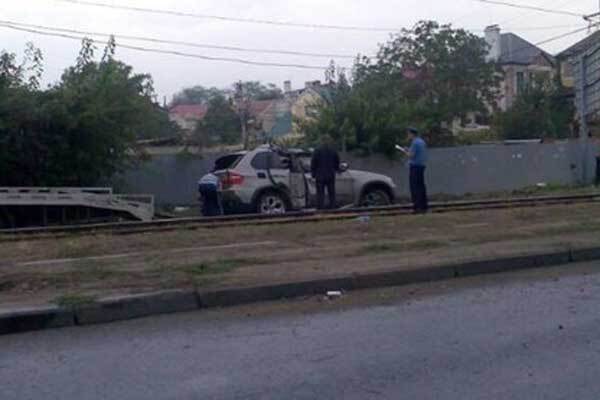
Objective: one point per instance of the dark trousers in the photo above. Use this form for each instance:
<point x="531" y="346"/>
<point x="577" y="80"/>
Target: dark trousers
<point x="330" y="186"/>
<point x="418" y="190"/>
<point x="211" y="202"/>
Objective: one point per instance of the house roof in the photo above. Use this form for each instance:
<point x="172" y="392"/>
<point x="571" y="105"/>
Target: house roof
<point x="198" y="111"/>
<point x="257" y="107"/>
<point x="580" y="46"/>
<point x="190" y="111"/>
<point x="516" y="50"/>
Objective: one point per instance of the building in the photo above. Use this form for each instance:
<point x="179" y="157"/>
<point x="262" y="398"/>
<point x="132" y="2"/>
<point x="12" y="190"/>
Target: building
<point x="268" y="119"/>
<point x="580" y="74"/>
<point x="567" y="58"/>
<point x="521" y="61"/>
<point x="187" y="116"/>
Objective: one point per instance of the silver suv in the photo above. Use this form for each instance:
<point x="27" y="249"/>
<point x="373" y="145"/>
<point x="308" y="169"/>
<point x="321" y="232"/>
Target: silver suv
<point x="260" y="181"/>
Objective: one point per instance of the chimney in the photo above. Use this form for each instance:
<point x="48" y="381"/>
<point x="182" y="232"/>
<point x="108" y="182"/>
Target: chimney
<point x="492" y="38"/>
<point x="287" y="87"/>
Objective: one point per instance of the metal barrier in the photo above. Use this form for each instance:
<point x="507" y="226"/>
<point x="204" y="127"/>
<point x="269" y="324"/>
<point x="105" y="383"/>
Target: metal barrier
<point x="138" y="207"/>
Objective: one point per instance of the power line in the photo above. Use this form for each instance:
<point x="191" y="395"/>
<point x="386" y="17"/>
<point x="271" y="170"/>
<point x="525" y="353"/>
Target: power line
<point x="529" y="28"/>
<point x="554" y="5"/>
<point x="523" y="7"/>
<point x="549" y="40"/>
<point x="168" y="52"/>
<point x="229" y="19"/>
<point x="180" y="43"/>
<point x="9" y="25"/>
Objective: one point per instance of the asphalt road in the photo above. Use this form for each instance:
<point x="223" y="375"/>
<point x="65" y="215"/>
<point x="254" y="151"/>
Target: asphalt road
<point x="533" y="335"/>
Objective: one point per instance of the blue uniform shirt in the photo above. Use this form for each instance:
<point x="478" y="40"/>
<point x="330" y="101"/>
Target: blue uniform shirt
<point x="209" y="179"/>
<point x="418" y="149"/>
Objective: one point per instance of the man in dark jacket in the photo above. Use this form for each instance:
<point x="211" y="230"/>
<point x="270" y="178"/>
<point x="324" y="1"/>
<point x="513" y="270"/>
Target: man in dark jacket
<point x="324" y="165"/>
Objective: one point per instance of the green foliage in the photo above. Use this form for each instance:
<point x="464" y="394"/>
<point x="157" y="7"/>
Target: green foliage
<point x="542" y="111"/>
<point x="74" y="301"/>
<point x="256" y="90"/>
<point x="424" y="77"/>
<point x="79" y="132"/>
<point x="195" y="95"/>
<point x="478" y="137"/>
<point x="220" y="125"/>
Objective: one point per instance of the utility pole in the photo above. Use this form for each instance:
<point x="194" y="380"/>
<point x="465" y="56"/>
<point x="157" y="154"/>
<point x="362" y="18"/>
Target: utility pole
<point x="582" y="106"/>
<point x="241" y="103"/>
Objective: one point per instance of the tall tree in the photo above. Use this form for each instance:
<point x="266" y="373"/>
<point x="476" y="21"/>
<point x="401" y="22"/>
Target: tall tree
<point x="542" y="111"/>
<point x="196" y="95"/>
<point x="424" y="77"/>
<point x="220" y="125"/>
<point x="259" y="91"/>
<point x="79" y="132"/>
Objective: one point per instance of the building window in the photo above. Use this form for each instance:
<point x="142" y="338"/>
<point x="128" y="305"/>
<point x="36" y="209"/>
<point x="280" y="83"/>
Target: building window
<point x="520" y="82"/>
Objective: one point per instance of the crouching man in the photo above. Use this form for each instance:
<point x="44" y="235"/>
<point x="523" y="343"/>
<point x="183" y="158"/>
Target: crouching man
<point x="209" y="188"/>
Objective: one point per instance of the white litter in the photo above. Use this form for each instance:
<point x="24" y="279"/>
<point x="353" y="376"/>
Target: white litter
<point x="334" y="293"/>
<point x="364" y="219"/>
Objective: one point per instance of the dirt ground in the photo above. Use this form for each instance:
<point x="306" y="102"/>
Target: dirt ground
<point x="79" y="268"/>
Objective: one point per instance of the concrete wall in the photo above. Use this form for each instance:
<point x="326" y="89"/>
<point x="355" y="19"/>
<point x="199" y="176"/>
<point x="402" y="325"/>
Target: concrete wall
<point x="457" y="170"/>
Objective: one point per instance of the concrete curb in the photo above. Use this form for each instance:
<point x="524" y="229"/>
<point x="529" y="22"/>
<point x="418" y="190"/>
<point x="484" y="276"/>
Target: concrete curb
<point x="129" y="307"/>
<point x="25" y="320"/>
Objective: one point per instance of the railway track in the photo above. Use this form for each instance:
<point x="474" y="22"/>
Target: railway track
<point x="295" y="217"/>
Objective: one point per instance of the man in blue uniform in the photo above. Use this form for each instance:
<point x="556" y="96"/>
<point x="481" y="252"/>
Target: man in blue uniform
<point x="417" y="161"/>
<point x="208" y="187"/>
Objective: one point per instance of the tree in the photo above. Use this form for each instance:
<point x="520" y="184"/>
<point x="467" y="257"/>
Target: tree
<point x="79" y="132"/>
<point x="542" y="111"/>
<point x="423" y="77"/>
<point x="244" y="94"/>
<point x="256" y="90"/>
<point x="196" y="95"/>
<point x="221" y="123"/>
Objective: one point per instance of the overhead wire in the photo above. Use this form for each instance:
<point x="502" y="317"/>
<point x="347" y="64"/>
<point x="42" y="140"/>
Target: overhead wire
<point x="271" y="22"/>
<point x="168" y="52"/>
<point x="40" y="31"/>
<point x="558" y="4"/>
<point x="180" y="43"/>
<point x="526" y="7"/>
<point x="549" y="40"/>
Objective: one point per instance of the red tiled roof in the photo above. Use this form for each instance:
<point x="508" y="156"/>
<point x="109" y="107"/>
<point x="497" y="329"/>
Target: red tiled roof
<point x="198" y="111"/>
<point x="190" y="111"/>
<point x="258" y="107"/>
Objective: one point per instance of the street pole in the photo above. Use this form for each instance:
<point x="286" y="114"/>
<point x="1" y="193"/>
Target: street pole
<point x="583" y="130"/>
<point x="242" y="112"/>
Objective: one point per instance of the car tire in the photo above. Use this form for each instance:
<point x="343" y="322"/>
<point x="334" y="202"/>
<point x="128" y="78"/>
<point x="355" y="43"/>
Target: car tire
<point x="271" y="203"/>
<point x="375" y="197"/>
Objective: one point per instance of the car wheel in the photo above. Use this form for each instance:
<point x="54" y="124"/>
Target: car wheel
<point x="272" y="203"/>
<point x="375" y="198"/>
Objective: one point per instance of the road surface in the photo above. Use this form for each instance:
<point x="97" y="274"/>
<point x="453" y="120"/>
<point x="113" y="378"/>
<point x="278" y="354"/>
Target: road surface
<point x="532" y="335"/>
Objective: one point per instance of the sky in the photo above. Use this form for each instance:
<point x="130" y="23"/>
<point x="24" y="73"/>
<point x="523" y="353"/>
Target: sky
<point x="171" y="73"/>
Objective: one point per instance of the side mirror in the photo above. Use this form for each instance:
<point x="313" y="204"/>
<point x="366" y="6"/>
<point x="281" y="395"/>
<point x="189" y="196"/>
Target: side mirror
<point x="344" y="167"/>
